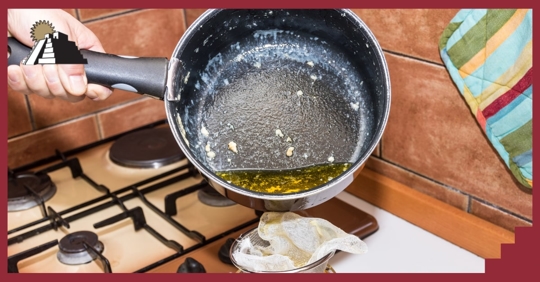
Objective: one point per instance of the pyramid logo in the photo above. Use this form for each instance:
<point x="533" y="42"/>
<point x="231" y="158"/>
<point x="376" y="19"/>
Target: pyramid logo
<point x="52" y="47"/>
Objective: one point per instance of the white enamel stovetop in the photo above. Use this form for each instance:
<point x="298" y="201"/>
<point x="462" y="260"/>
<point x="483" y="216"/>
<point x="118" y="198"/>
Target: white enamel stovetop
<point x="126" y="249"/>
<point x="396" y="247"/>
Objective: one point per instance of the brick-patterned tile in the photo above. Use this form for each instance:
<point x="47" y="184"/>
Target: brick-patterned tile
<point x="377" y="151"/>
<point x="90" y="14"/>
<point x="193" y="14"/>
<point x="497" y="216"/>
<point x="47" y="112"/>
<point x="131" y="116"/>
<point x="151" y="33"/>
<point x="426" y="186"/>
<point x="43" y="143"/>
<point x="415" y="32"/>
<point x="71" y="12"/>
<point x="431" y="131"/>
<point x="18" y="117"/>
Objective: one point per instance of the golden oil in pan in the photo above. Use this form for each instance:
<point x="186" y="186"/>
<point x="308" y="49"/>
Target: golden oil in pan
<point x="284" y="181"/>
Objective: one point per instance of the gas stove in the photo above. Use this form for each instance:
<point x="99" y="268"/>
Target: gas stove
<point x="132" y="204"/>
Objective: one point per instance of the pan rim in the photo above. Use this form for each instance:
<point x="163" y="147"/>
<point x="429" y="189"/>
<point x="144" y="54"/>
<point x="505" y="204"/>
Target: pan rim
<point x="348" y="175"/>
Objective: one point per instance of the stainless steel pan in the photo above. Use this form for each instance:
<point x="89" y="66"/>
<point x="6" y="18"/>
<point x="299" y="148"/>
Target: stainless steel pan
<point x="319" y="76"/>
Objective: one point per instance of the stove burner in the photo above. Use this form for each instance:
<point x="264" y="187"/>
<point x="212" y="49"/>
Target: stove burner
<point x="224" y="251"/>
<point x="211" y="197"/>
<point x="147" y="148"/>
<point x="27" y="189"/>
<point x="72" y="250"/>
<point x="191" y="265"/>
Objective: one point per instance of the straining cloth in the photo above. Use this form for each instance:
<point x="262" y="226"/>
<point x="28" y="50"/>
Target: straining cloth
<point x="287" y="241"/>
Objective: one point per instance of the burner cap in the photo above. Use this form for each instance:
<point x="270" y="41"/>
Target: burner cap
<point x="209" y="196"/>
<point x="19" y="195"/>
<point x="147" y="148"/>
<point x="72" y="250"/>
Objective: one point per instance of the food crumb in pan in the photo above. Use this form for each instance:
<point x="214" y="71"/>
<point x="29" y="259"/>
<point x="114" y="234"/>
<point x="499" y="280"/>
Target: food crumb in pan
<point x="290" y="151"/>
<point x="279" y="133"/>
<point x="204" y="131"/>
<point x="310" y="63"/>
<point x="289" y="139"/>
<point x="239" y="58"/>
<point x="299" y="93"/>
<point x="355" y="106"/>
<point x="331" y="159"/>
<point x="211" y="154"/>
<point x="232" y="147"/>
<point x="314" y="77"/>
<point x="207" y="148"/>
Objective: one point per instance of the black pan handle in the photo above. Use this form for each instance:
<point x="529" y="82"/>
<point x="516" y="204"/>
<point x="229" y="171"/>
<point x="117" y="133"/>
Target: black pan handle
<point x="145" y="75"/>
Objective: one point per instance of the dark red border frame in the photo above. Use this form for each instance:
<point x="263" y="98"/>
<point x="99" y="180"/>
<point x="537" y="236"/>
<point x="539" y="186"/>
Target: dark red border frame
<point x="519" y="260"/>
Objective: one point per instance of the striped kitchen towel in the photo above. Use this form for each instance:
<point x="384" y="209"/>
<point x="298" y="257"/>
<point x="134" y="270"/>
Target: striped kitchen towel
<point x="488" y="54"/>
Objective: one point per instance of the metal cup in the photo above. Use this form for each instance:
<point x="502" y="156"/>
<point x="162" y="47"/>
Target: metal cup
<point x="320" y="266"/>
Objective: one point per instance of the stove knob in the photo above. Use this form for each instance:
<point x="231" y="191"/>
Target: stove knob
<point x="191" y="266"/>
<point x="224" y="251"/>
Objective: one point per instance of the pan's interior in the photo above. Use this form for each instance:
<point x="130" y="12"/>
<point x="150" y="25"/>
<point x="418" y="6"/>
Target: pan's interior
<point x="314" y="75"/>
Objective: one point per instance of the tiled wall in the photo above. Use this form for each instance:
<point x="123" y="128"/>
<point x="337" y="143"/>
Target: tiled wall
<point x="432" y="142"/>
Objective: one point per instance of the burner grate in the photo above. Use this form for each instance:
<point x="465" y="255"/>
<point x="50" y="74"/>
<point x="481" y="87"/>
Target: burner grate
<point x="27" y="190"/>
<point x="135" y="214"/>
<point x="15" y="259"/>
<point x="60" y="220"/>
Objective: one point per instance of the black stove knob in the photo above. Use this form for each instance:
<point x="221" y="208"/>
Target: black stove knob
<point x="224" y="251"/>
<point x="190" y="265"/>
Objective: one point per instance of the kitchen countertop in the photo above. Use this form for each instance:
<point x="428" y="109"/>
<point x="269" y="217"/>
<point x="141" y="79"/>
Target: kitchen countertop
<point x="401" y="247"/>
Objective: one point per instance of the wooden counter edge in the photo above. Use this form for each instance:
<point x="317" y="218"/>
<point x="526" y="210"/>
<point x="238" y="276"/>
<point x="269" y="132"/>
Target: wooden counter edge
<point x="450" y="223"/>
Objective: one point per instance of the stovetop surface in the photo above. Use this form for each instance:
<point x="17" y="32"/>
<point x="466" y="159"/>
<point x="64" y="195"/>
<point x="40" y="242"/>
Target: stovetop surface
<point x="148" y="219"/>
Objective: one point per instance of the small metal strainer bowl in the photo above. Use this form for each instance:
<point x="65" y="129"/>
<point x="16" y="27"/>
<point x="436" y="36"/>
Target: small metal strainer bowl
<point x="320" y="266"/>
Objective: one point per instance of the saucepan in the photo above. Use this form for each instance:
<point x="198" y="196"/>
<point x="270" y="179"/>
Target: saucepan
<point x="264" y="90"/>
